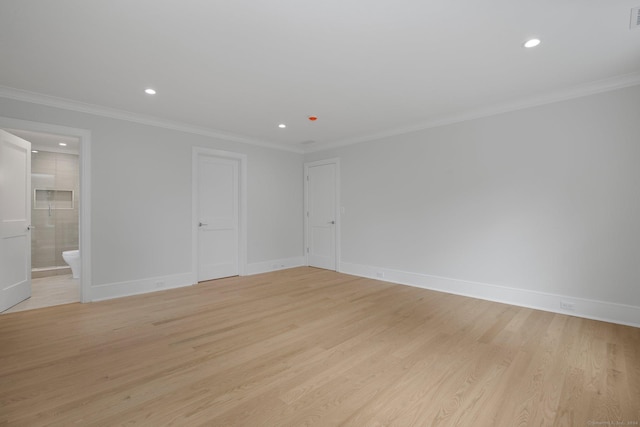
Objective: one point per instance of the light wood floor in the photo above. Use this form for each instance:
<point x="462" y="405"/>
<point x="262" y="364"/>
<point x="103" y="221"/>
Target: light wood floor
<point x="48" y="291"/>
<point x="313" y="347"/>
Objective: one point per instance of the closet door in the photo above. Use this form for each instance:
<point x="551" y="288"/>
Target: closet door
<point x="218" y="217"/>
<point x="321" y="214"/>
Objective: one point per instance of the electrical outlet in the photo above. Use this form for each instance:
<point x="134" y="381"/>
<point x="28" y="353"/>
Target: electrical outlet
<point x="380" y="275"/>
<point x="567" y="305"/>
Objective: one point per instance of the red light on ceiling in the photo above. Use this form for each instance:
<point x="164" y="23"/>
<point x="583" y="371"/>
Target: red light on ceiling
<point x="313" y="118"/>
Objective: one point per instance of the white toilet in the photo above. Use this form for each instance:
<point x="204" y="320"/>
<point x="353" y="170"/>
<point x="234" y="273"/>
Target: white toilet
<point x="73" y="259"/>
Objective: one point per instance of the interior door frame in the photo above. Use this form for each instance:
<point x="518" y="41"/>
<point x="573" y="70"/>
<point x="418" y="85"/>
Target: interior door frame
<point x="84" y="239"/>
<point x="242" y="206"/>
<point x="338" y="209"/>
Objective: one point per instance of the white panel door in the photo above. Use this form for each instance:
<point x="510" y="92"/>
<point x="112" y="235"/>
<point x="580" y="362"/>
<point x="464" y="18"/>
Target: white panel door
<point x="321" y="216"/>
<point x="15" y="220"/>
<point x="217" y="207"/>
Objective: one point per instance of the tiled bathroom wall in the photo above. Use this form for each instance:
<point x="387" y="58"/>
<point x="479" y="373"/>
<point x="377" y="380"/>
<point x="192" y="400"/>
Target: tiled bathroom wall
<point x="53" y="216"/>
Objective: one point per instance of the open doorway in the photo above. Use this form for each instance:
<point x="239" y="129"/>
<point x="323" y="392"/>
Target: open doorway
<point x="59" y="194"/>
<point x="55" y="219"/>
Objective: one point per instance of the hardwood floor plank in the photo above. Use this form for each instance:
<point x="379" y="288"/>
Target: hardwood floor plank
<point x="313" y="347"/>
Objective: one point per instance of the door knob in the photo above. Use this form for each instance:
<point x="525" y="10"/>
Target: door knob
<point x="202" y="224"/>
<point x="332" y="222"/>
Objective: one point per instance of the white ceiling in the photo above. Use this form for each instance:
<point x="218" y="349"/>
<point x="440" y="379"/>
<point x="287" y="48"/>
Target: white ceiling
<point x="48" y="142"/>
<point x="365" y="67"/>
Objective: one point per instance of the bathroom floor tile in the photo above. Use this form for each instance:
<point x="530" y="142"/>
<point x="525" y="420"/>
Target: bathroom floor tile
<point x="48" y="291"/>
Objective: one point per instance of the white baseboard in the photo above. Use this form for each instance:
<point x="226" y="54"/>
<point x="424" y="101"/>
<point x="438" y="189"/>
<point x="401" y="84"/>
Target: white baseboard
<point x="273" y="265"/>
<point x="572" y="306"/>
<point x="142" y="286"/>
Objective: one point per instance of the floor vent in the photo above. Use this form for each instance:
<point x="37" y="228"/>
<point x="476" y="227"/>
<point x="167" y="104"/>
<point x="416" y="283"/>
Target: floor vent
<point x="635" y="18"/>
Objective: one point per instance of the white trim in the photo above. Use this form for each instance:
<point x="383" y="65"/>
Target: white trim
<point x="592" y="88"/>
<point x="85" y="189"/>
<point x="337" y="214"/>
<point x="274" y="265"/>
<point x="589" y="309"/>
<point x="242" y="200"/>
<point x="112" y="113"/>
<point x="142" y="286"/>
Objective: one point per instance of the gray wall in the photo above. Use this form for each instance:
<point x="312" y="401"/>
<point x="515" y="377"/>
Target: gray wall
<point x="545" y="199"/>
<point x="141" y="195"/>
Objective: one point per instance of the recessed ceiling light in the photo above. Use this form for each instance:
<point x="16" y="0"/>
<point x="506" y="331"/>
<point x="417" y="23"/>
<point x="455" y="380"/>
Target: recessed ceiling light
<point x="62" y="144"/>
<point x="34" y="151"/>
<point x="150" y="91"/>
<point x="532" y="43"/>
<point x="282" y="126"/>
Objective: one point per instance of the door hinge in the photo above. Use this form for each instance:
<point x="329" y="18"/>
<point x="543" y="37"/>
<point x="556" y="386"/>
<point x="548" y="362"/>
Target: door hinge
<point x="307" y="214"/>
<point x="307" y="177"/>
<point x="307" y="250"/>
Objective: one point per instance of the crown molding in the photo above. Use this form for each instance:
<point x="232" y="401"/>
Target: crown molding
<point x="592" y="88"/>
<point x="113" y="113"/>
<point x="578" y="91"/>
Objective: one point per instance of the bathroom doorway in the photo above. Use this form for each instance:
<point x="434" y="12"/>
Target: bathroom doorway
<point x="56" y="213"/>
